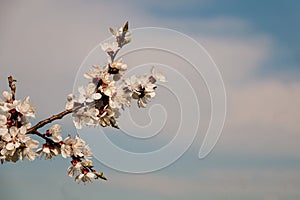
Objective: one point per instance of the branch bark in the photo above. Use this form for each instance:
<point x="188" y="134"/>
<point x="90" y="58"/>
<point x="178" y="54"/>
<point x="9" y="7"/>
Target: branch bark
<point x="42" y="123"/>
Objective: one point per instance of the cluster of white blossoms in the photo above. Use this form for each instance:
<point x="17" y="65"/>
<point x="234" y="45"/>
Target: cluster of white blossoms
<point x="98" y="103"/>
<point x="108" y="90"/>
<point x="15" y="144"/>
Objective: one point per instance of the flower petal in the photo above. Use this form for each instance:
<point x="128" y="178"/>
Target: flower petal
<point x="10" y="146"/>
<point x="90" y="175"/>
<point x="13" y="131"/>
<point x="3" y="131"/>
<point x="3" y="120"/>
<point x="6" y="137"/>
<point x="6" y="95"/>
<point x="96" y="96"/>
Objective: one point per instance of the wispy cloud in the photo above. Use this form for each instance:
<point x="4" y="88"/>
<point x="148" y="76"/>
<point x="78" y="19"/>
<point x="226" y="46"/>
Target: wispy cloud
<point x="43" y="44"/>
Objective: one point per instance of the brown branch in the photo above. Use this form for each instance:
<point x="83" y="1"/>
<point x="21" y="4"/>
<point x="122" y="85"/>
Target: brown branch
<point x="51" y="119"/>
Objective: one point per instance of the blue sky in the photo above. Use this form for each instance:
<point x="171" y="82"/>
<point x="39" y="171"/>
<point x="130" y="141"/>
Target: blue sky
<point x="254" y="44"/>
<point x="277" y="19"/>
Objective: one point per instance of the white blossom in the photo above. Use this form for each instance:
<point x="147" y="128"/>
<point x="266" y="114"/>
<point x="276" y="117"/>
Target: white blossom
<point x="75" y="147"/>
<point x="140" y="88"/>
<point x="158" y="76"/>
<point x="120" y="98"/>
<point x="85" y="116"/>
<point x="3" y="131"/>
<point x="74" y="169"/>
<point x="7" y="96"/>
<point x="10" y="105"/>
<point x="100" y="103"/>
<point x="48" y="151"/>
<point x="55" y="132"/>
<point x="107" y="117"/>
<point x="28" y="151"/>
<point x="95" y="73"/>
<point x="79" y="118"/>
<point x="70" y="101"/>
<point x="88" y="93"/>
<point x="108" y="89"/>
<point x="3" y="120"/>
<point x="119" y="65"/>
<point x="85" y="177"/>
<point x="3" y="127"/>
<point x="13" y="139"/>
<point x="25" y="108"/>
<point x="131" y="83"/>
<point x="110" y="46"/>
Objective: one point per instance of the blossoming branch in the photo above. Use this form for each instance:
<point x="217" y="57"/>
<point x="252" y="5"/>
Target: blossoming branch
<point x="99" y="103"/>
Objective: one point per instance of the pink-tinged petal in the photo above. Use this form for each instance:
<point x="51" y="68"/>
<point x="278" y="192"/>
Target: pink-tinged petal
<point x="10" y="146"/>
<point x="3" y="120"/>
<point x="13" y="131"/>
<point x="32" y="144"/>
<point x="6" y="95"/>
<point x="23" y="130"/>
<point x="3" y="131"/>
<point x="6" y="137"/>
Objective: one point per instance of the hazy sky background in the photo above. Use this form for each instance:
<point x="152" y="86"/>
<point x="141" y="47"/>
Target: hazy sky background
<point x="254" y="44"/>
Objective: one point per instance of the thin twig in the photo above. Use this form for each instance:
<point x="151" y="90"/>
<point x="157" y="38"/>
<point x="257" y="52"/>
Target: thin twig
<point x="49" y="140"/>
<point x="12" y="86"/>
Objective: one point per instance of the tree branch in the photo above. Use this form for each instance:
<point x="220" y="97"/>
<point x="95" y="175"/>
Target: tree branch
<point x="51" y="119"/>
